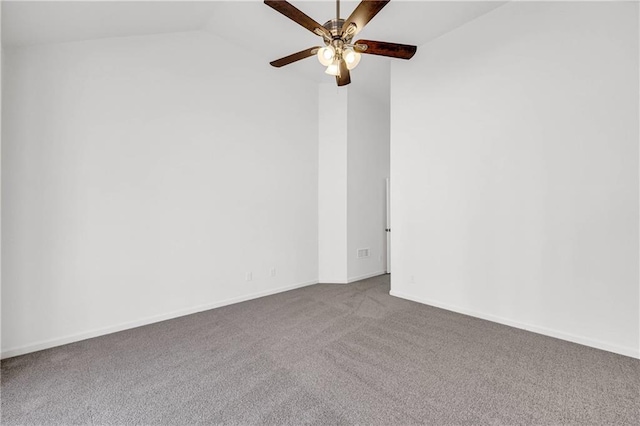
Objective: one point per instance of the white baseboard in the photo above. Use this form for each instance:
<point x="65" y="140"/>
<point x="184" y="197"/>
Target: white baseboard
<point x="144" y="321"/>
<point x="332" y="281"/>
<point x="622" y="350"/>
<point x="352" y="279"/>
<point x="364" y="277"/>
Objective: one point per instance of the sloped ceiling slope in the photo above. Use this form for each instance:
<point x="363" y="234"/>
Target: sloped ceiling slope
<point x="255" y="28"/>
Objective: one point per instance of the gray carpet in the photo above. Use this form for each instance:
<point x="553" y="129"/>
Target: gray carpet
<point x="325" y="354"/>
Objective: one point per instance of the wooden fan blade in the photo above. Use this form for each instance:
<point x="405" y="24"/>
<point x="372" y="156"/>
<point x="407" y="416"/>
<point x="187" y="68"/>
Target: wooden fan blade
<point x="393" y="50"/>
<point x="345" y="77"/>
<point x="295" y="57"/>
<point x="291" y="12"/>
<point x="362" y="14"/>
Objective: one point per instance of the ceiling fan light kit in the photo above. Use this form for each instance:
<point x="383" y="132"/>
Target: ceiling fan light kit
<point x="339" y="54"/>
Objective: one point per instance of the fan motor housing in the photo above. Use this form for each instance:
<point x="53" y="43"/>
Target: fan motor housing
<point x="335" y="28"/>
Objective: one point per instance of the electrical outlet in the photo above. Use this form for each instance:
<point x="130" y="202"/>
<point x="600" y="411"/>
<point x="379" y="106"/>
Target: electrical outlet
<point x="249" y="276"/>
<point x="272" y="272"/>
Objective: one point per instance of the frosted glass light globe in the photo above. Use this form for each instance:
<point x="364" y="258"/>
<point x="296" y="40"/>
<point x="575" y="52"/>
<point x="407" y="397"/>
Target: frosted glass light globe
<point x="351" y="57"/>
<point x="326" y="55"/>
<point x="334" y="68"/>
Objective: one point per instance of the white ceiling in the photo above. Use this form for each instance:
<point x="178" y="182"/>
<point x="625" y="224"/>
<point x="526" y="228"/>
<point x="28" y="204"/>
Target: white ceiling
<point x="36" y="22"/>
<point x="271" y="35"/>
<point x="249" y="24"/>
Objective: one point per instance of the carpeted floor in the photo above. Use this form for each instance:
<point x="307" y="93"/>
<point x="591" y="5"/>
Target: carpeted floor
<point x="324" y="354"/>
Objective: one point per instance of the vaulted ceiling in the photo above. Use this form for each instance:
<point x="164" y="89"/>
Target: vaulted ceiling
<point x="256" y="28"/>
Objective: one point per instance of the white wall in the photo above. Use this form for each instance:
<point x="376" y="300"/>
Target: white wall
<point x="368" y="167"/>
<point x="142" y="177"/>
<point x="1" y="84"/>
<point x="332" y="184"/>
<point x="514" y="170"/>
<point x="353" y="166"/>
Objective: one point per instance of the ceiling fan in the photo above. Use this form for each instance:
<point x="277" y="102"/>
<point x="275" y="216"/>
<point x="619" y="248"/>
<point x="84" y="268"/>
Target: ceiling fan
<point x="340" y="54"/>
